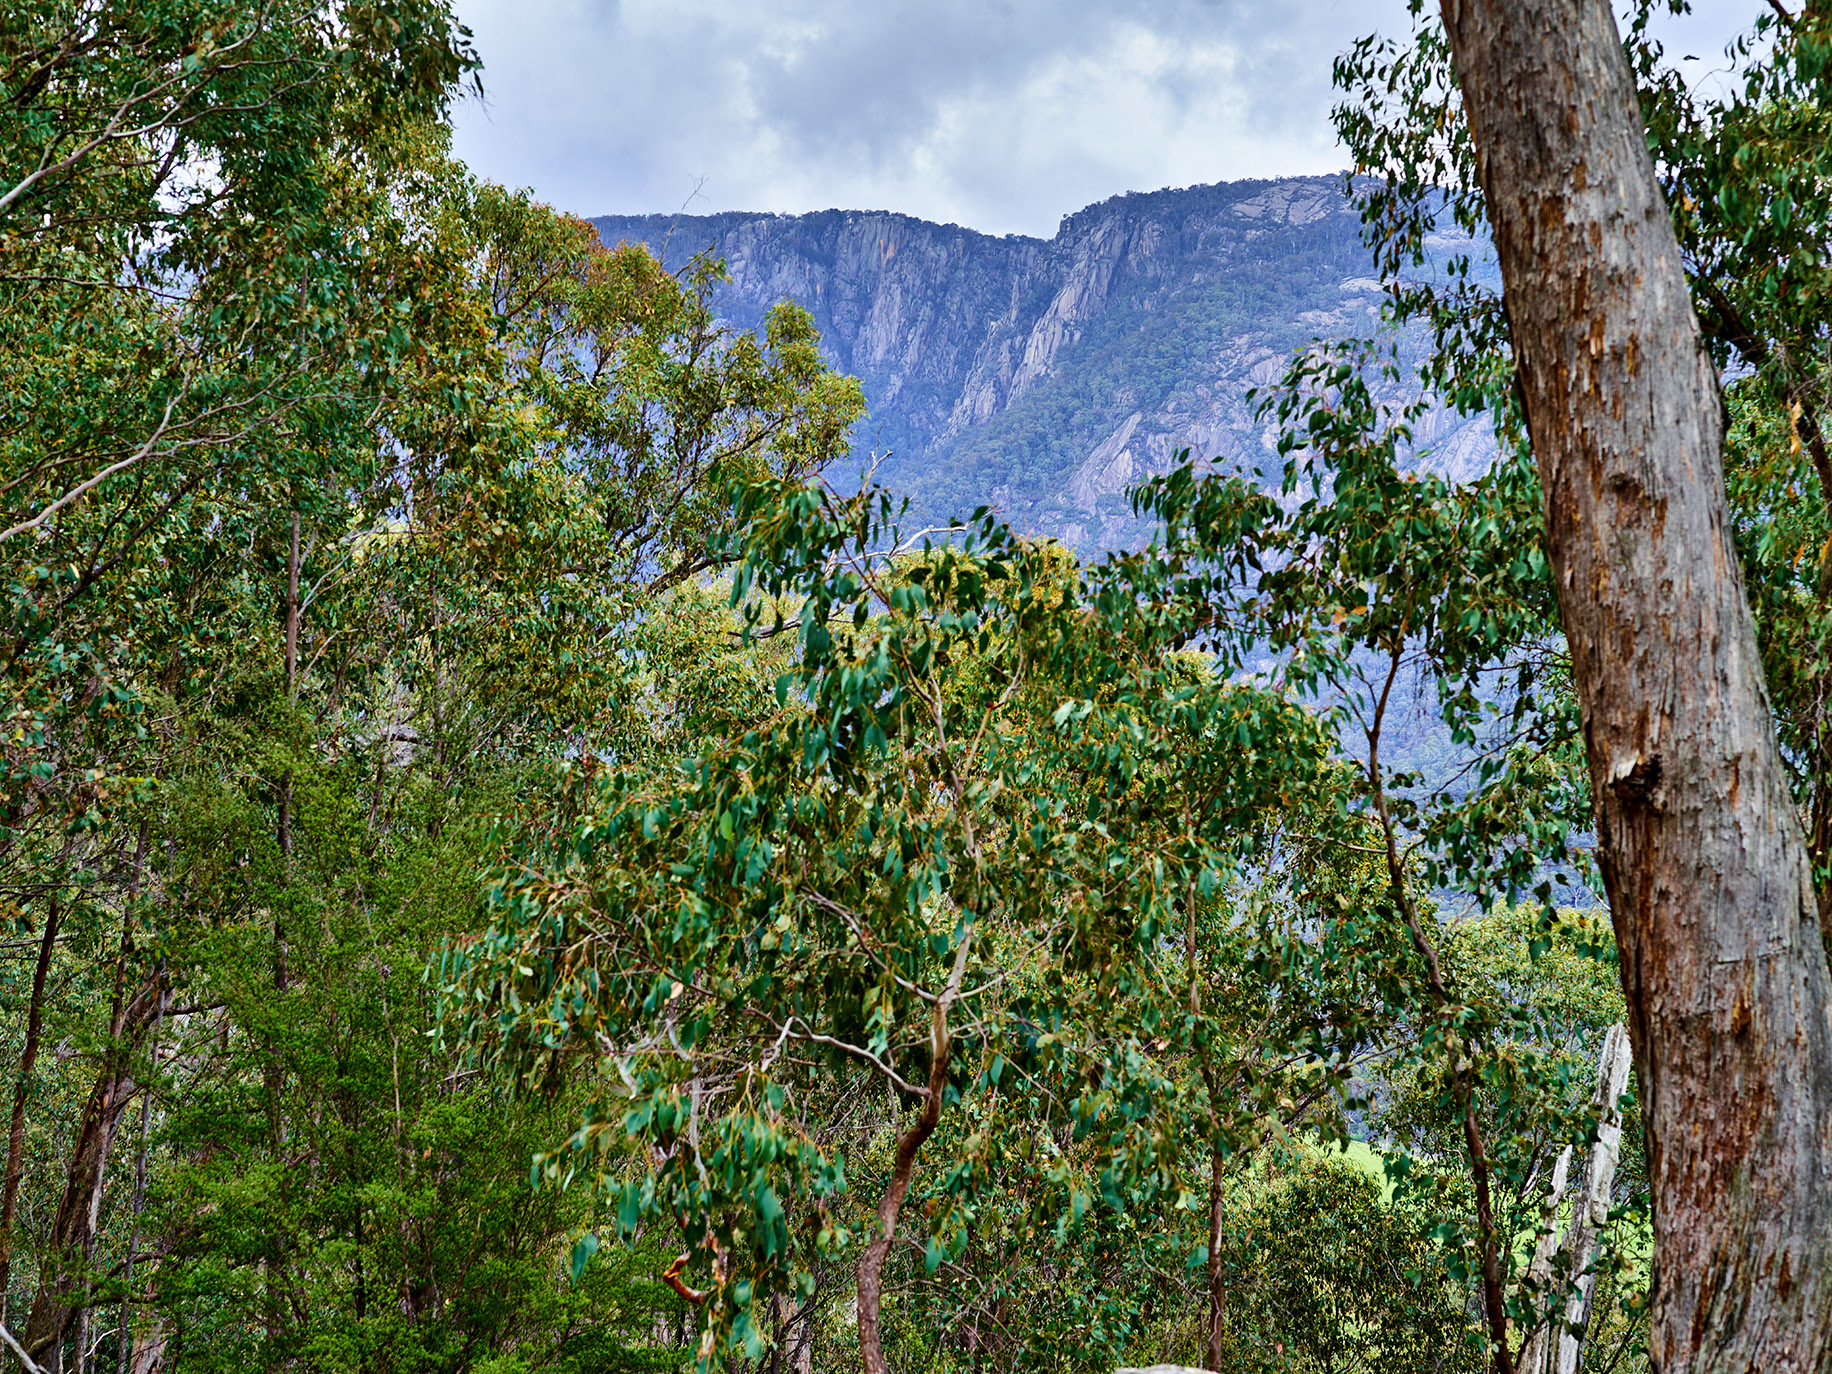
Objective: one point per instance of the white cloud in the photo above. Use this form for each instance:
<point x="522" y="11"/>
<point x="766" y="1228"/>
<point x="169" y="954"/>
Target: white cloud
<point x="999" y="114"/>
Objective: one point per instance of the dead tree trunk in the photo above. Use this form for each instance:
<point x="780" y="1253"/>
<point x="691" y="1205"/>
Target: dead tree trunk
<point x="1700" y="844"/>
<point x="1539" y="1272"/>
<point x="1591" y="1210"/>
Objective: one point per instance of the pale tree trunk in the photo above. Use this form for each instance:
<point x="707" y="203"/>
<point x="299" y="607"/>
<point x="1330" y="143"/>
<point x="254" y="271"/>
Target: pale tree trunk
<point x="1699" y="841"/>
<point x="149" y="1352"/>
<point x="1591" y="1209"/>
<point x="1539" y="1272"/>
<point x="1552" y="1348"/>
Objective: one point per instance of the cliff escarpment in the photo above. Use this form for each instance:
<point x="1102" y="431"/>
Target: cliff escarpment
<point x="1044" y="377"/>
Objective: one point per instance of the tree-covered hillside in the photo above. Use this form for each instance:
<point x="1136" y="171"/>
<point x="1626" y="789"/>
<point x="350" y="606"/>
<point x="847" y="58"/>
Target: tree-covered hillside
<point x="506" y="867"/>
<point x="1044" y="378"/>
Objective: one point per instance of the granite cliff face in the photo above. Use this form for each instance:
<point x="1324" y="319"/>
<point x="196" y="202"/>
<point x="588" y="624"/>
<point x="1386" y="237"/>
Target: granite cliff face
<point x="1045" y="377"/>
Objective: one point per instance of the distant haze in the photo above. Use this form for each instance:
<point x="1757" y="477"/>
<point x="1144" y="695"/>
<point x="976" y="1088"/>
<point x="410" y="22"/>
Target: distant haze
<point x="996" y="114"/>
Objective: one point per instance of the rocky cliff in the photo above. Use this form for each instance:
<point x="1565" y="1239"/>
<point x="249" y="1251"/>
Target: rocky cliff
<point x="1045" y="377"/>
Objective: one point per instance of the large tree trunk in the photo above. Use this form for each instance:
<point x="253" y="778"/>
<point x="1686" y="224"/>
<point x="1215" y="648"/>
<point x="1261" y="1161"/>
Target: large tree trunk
<point x="1699" y="841"/>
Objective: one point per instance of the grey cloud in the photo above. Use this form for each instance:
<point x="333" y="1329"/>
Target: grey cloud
<point x="999" y="114"/>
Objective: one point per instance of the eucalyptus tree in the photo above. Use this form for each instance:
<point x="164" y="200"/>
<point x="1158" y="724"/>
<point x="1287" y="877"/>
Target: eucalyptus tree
<point x="1602" y="354"/>
<point x="338" y="482"/>
<point x="186" y="324"/>
<point x="939" y="867"/>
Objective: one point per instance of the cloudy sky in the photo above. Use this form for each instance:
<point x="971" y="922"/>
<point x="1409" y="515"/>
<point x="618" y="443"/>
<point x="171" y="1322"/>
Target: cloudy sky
<point x="998" y="114"/>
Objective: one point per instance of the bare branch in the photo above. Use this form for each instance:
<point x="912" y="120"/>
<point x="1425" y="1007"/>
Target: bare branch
<point x="107" y="472"/>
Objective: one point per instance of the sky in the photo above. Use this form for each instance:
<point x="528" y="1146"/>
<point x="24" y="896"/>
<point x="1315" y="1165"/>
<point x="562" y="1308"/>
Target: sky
<point x="1002" y="115"/>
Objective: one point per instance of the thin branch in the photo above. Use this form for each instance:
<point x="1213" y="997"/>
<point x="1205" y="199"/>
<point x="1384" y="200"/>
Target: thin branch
<point x="31" y="1366"/>
<point x="107" y="472"/>
<point x="813" y="1037"/>
<point x="672" y="1277"/>
<point x="113" y="132"/>
<point x="1493" y="1290"/>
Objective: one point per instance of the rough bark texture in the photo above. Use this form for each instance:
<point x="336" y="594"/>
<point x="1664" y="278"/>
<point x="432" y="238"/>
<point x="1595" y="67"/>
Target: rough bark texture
<point x="1700" y="845"/>
<point x="64" y="1272"/>
<point x="123" y="1338"/>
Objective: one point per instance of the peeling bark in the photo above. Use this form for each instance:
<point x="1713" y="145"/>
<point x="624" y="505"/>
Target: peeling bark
<point x="1701" y="849"/>
<point x="1539" y="1272"/>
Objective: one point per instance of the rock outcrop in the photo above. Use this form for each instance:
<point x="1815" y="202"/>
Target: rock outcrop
<point x="1047" y="377"/>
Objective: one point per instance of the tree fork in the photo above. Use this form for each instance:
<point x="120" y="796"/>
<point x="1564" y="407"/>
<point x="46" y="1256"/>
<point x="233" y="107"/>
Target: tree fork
<point x="871" y="1263"/>
<point x="1699" y="842"/>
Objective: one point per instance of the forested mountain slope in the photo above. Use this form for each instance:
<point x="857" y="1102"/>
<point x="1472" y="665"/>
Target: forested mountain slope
<point x="1046" y="376"/>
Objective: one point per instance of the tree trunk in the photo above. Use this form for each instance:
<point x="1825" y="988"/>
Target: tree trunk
<point x="1699" y="841"/>
<point x="63" y="1275"/>
<point x="884" y="1227"/>
<point x="273" y="1080"/>
<point x="149" y="1352"/>
<point x="1539" y="1271"/>
<point x="285" y="826"/>
<point x="1591" y="1209"/>
<point x="22" y="1088"/>
<point x="124" y="1338"/>
<point x="1215" y="1327"/>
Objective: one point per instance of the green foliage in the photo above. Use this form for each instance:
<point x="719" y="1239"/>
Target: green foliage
<point x="341" y="494"/>
<point x="959" y="803"/>
<point x="1323" y="1276"/>
<point x="958" y="948"/>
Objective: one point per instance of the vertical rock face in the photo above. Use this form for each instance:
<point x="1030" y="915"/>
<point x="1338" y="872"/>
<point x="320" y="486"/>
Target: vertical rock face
<point x="1046" y="377"/>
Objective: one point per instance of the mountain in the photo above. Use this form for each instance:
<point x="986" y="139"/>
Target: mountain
<point x="1044" y="377"/>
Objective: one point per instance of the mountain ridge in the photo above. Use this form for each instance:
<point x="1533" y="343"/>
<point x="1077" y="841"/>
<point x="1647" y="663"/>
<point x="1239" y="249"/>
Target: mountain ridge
<point x="1045" y="376"/>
